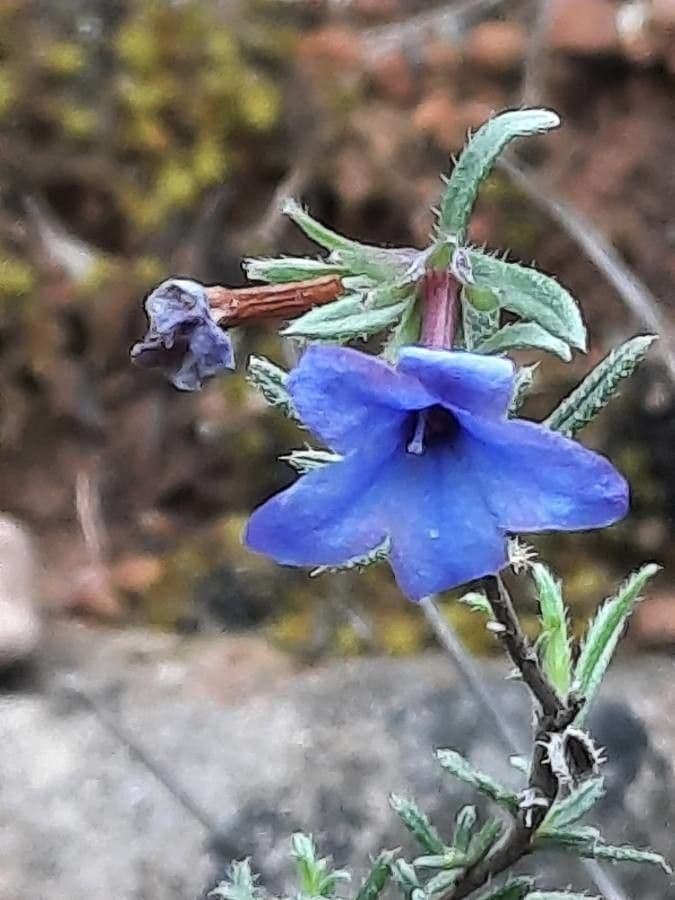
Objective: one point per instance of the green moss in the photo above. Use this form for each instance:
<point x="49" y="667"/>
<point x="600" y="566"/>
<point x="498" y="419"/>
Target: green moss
<point x="292" y="631"/>
<point x="100" y="274"/>
<point x="176" y="185"/>
<point x="7" y="93"/>
<point x="259" y="104"/>
<point x="137" y="43"/>
<point x="64" y="58"/>
<point x="221" y="48"/>
<point x="77" y="121"/>
<point x="400" y="632"/>
<point x="634" y="461"/>
<point x="348" y="642"/>
<point x="209" y="162"/>
<point x="17" y="279"/>
<point x="149" y="270"/>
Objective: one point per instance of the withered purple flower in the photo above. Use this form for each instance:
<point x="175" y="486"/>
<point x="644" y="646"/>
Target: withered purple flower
<point x="432" y="465"/>
<point x="183" y="339"/>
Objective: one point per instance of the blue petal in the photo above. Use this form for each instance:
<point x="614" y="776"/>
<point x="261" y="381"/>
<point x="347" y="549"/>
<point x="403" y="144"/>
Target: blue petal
<point x="537" y="480"/>
<point x="442" y="532"/>
<point x="327" y="517"/>
<point x="479" y="384"/>
<point x="349" y="398"/>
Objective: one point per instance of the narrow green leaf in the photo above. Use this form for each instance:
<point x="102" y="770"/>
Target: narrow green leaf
<point x="348" y="318"/>
<point x="559" y="895"/>
<point x="483" y="840"/>
<point x="319" y="233"/>
<point x="630" y="854"/>
<point x="586" y="842"/>
<point x="604" y="632"/>
<point x="514" y="889"/>
<point x="406" y="878"/>
<point x="316" y="877"/>
<point x="289" y="268"/>
<point x="407" y="332"/>
<point x="378" y="876"/>
<point x="239" y="883"/>
<point x="524" y="336"/>
<point x="376" y="555"/>
<point x="307" y="460"/>
<point x="272" y="382"/>
<point x="599" y="386"/>
<point x="478" y="158"/>
<point x="358" y="284"/>
<point x="478" y="602"/>
<point x="381" y="263"/>
<point x="572" y="840"/>
<point x="577" y="804"/>
<point x="385" y="265"/>
<point x="451" y="859"/>
<point x="519" y="763"/>
<point x="464" y="826"/>
<point x="478" y="325"/>
<point x="522" y="386"/>
<point x="481" y="299"/>
<point x="554" y="645"/>
<point x="461" y="768"/>
<point x="440" y="883"/>
<point x="418" y="824"/>
<point x="533" y="296"/>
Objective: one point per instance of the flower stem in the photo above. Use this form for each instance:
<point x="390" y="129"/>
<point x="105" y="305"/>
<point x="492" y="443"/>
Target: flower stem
<point x="440" y="293"/>
<point x="521" y="651"/>
<point x="555" y="716"/>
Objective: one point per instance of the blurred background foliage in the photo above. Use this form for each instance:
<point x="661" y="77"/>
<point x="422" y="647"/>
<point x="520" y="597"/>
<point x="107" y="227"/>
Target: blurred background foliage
<point x="141" y="139"/>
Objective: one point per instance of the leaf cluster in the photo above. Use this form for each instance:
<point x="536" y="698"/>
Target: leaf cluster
<point x="381" y="284"/>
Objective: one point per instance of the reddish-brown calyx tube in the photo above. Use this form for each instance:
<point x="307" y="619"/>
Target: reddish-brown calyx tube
<point x="235" y="306"/>
<point x="440" y="301"/>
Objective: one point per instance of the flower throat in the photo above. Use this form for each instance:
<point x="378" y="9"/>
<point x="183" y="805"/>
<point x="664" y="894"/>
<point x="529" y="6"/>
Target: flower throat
<point x="428" y="427"/>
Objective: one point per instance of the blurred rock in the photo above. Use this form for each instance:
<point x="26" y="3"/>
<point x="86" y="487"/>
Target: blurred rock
<point x="135" y="574"/>
<point x="320" y="752"/>
<point x="392" y="74"/>
<point x="437" y="116"/>
<point x="376" y="10"/>
<point x="662" y="13"/>
<point x="585" y="27"/>
<point x="442" y="56"/>
<point x="331" y="46"/>
<point x="496" y="46"/>
<point x="235" y="667"/>
<point x="662" y="28"/>
<point x="20" y="625"/>
<point x="654" y="621"/>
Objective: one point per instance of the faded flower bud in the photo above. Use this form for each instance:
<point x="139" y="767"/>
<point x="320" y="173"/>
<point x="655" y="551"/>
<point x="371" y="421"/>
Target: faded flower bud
<point x="182" y="339"/>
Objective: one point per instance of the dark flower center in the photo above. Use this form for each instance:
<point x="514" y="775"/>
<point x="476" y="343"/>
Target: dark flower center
<point x="428" y="427"/>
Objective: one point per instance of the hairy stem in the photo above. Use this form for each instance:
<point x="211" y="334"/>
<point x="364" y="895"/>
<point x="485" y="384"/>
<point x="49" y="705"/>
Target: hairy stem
<point x="554" y="716"/>
<point x="522" y="653"/>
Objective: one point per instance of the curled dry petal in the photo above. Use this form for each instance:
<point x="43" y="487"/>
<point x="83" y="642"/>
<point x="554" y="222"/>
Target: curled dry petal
<point x="182" y="339"/>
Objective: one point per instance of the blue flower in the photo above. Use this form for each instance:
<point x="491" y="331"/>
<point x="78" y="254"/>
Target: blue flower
<point x="431" y="463"/>
<point x="183" y="340"/>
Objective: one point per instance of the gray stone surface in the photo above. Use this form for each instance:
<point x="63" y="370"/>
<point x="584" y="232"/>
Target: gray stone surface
<point x="82" y="818"/>
<point x="20" y="625"/>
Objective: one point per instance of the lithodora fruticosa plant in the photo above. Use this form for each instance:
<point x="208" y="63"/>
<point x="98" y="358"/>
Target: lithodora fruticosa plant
<point x="426" y="465"/>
